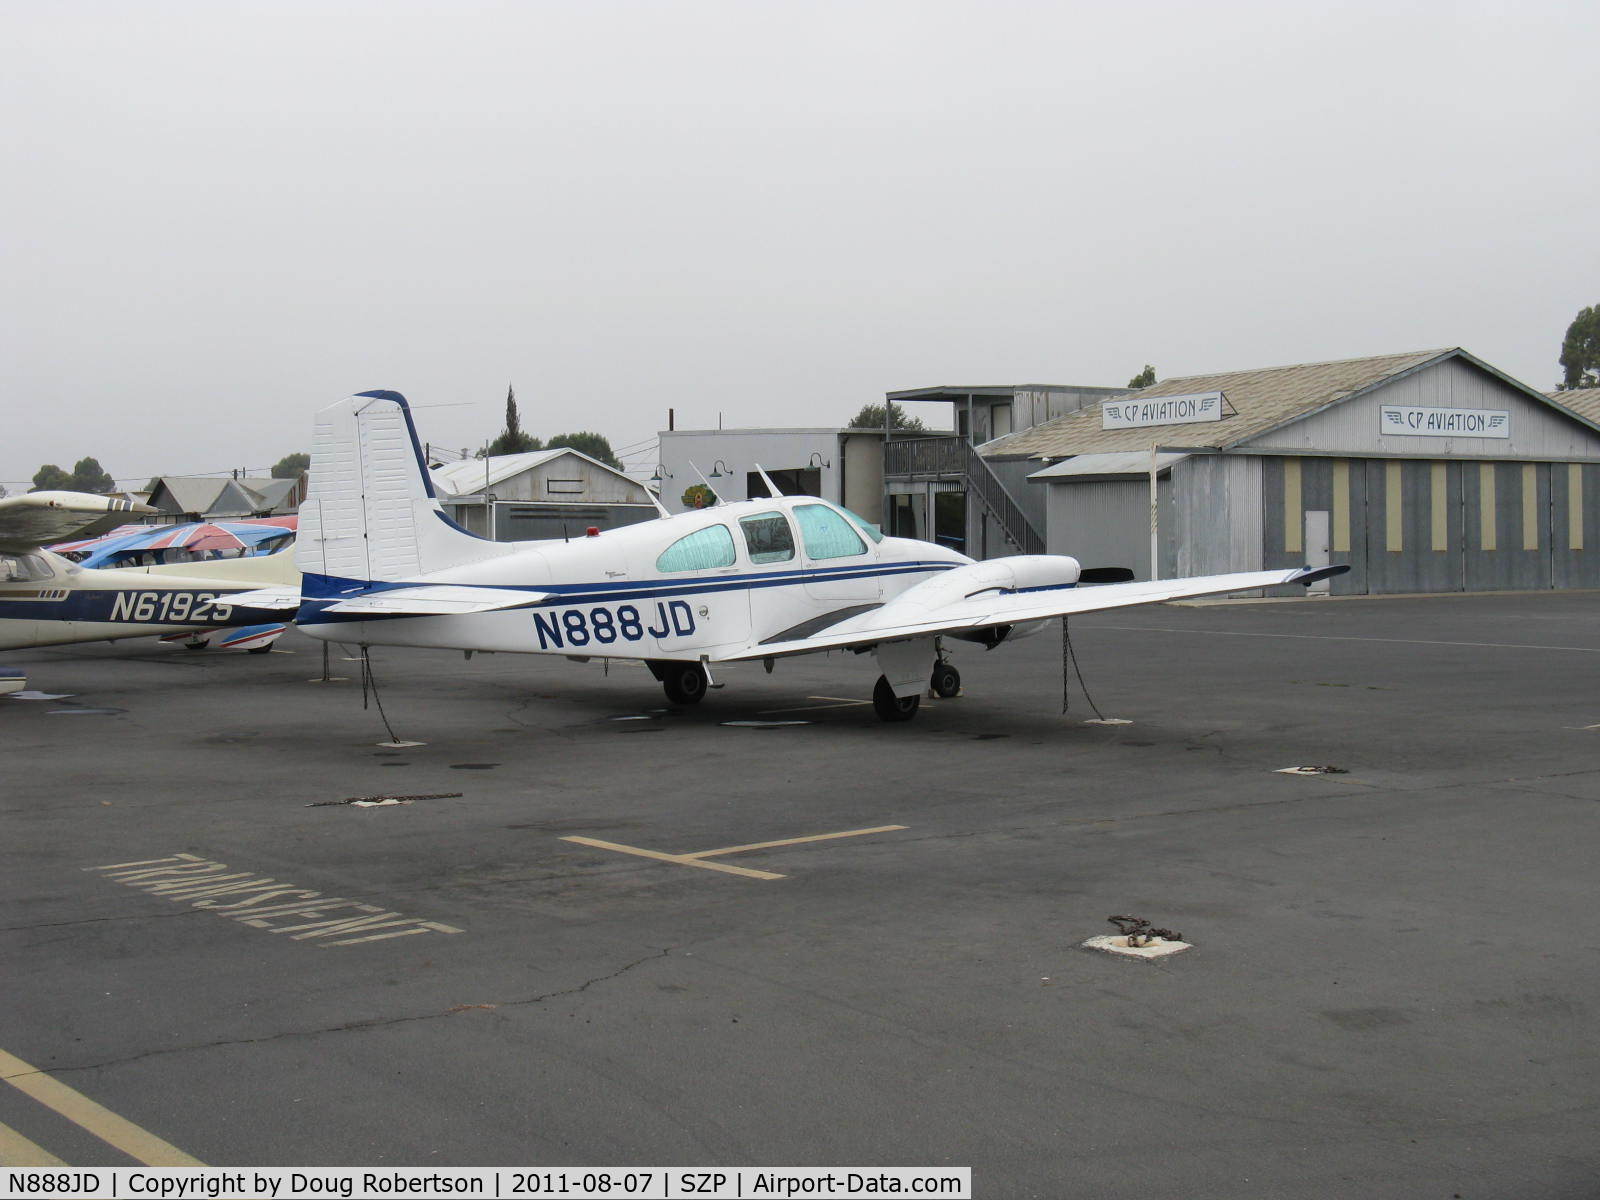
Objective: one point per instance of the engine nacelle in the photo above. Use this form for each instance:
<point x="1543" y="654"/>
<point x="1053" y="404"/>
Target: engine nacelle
<point x="1019" y="573"/>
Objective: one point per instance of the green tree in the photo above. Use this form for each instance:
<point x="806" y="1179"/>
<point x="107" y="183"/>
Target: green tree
<point x="89" y="476"/>
<point x="1144" y="378"/>
<point x="1580" y="351"/>
<point x="512" y="439"/>
<point x="593" y="444"/>
<point x="291" y="466"/>
<point x="699" y="495"/>
<point x="871" y="417"/>
<point x="51" y="478"/>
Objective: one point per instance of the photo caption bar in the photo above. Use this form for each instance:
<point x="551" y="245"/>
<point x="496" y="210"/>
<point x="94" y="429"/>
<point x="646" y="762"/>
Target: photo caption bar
<point x="511" y="1183"/>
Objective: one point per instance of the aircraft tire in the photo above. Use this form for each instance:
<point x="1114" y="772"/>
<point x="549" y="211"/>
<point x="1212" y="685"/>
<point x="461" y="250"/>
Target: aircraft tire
<point x="946" y="681"/>
<point x="267" y="649"/>
<point x="684" y="683"/>
<point x="890" y="707"/>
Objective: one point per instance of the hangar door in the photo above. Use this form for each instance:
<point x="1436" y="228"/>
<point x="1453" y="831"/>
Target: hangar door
<point x="1508" y="526"/>
<point x="1414" y="529"/>
<point x="1308" y="518"/>
<point x="1575" y="524"/>
<point x="1436" y="526"/>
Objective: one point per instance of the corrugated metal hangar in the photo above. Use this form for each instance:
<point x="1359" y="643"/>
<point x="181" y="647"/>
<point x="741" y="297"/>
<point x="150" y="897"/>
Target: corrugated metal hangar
<point x="1430" y="471"/>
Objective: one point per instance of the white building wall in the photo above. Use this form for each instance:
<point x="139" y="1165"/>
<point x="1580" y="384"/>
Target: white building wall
<point x="1104" y="523"/>
<point x="739" y="450"/>
<point x="570" y="480"/>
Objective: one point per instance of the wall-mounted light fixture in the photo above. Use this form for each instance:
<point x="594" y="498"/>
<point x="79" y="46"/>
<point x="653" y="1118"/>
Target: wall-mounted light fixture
<point x="719" y="469"/>
<point x="660" y="474"/>
<point x="817" y="460"/>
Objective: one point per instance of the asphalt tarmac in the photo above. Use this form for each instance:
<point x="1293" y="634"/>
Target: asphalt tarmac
<point x="1392" y="989"/>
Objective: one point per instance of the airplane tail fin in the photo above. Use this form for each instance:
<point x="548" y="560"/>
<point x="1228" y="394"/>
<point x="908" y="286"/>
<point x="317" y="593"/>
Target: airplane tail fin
<point x="370" y="513"/>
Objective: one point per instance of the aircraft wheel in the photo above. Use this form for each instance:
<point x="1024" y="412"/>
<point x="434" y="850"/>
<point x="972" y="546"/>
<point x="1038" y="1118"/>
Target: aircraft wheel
<point x="946" y="681"/>
<point x="201" y="645"/>
<point x="267" y="649"/>
<point x="890" y="707"/>
<point x="684" y="683"/>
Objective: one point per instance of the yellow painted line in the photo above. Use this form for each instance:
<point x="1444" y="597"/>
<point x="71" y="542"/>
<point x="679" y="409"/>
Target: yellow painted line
<point x="115" y="1131"/>
<point x="682" y="860"/>
<point x="18" y="1151"/>
<point x="819" y="837"/>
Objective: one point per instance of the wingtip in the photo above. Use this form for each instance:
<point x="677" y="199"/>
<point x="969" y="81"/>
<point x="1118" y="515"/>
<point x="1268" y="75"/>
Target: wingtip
<point x="1310" y="575"/>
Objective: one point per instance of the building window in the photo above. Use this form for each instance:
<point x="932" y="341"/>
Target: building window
<point x="790" y="481"/>
<point x="767" y="537"/>
<point x="701" y="551"/>
<point x="563" y="487"/>
<point x="827" y="534"/>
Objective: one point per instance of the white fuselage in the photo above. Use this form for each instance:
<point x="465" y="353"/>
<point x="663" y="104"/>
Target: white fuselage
<point x="628" y="593"/>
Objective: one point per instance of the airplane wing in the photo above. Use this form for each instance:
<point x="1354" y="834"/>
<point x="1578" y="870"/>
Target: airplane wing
<point x="38" y="519"/>
<point x="904" y="617"/>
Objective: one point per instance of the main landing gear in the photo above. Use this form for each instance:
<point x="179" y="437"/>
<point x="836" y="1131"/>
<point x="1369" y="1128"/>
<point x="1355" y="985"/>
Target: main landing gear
<point x="890" y="707"/>
<point x="945" y="682"/>
<point x="684" y="682"/>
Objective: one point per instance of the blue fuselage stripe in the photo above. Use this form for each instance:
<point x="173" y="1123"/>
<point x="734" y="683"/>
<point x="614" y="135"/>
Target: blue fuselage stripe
<point x="321" y="591"/>
<point x="99" y="606"/>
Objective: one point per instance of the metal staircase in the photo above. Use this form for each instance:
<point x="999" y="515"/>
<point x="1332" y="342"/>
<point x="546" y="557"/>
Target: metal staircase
<point x="945" y="457"/>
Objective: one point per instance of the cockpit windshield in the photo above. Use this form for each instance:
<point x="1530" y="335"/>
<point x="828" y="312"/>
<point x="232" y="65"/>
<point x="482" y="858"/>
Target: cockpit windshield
<point x="861" y="523"/>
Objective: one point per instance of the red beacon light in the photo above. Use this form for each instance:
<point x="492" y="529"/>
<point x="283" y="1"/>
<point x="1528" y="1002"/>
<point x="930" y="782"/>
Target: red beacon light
<point x="592" y="531"/>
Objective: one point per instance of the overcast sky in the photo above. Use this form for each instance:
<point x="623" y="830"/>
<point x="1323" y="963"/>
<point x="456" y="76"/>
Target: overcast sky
<point x="218" y="217"/>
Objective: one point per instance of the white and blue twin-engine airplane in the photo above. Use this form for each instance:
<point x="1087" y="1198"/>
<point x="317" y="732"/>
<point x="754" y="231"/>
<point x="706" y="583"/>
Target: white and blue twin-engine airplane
<point x="754" y="580"/>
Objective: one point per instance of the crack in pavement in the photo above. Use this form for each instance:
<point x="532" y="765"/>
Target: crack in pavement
<point x="349" y="1026"/>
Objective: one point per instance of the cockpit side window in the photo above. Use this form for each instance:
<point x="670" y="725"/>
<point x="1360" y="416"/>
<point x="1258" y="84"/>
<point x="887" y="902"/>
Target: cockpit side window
<point x="767" y="537"/>
<point x="702" y="550"/>
<point x="24" y="568"/>
<point x="826" y="534"/>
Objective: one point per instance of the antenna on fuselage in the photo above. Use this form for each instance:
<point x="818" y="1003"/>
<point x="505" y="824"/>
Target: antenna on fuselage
<point x="772" y="488"/>
<point x="656" y="500"/>
<point x="707" y="482"/>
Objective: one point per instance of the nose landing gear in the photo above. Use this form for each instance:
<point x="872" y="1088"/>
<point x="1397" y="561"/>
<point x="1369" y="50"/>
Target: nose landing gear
<point x="684" y="682"/>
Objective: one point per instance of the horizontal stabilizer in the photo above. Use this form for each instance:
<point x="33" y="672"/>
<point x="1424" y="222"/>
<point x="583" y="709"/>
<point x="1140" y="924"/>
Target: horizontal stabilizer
<point x="267" y="599"/>
<point x="435" y="600"/>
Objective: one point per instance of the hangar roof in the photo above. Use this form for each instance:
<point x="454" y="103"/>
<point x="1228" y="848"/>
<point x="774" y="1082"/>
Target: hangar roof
<point x="1583" y="401"/>
<point x="471" y="475"/>
<point x="1258" y="401"/>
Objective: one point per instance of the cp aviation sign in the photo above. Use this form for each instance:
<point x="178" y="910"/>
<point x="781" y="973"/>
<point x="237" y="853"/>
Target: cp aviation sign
<point x="1161" y="410"/>
<point x="1445" y="422"/>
